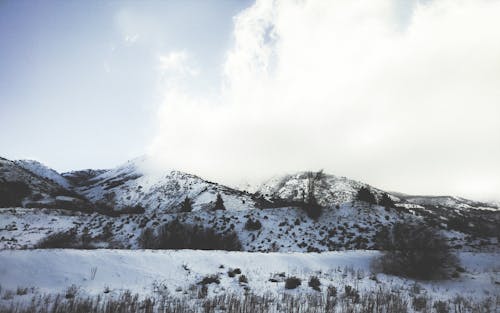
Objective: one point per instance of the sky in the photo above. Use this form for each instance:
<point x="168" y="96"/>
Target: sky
<point x="404" y="95"/>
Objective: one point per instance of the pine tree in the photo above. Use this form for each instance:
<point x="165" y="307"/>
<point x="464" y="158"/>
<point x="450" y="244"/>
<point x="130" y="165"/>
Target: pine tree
<point x="186" y="205"/>
<point x="219" y="203"/>
<point x="386" y="201"/>
<point x="365" y="194"/>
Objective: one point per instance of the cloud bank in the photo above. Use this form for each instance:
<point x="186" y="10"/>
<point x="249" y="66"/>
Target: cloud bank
<point x="406" y="99"/>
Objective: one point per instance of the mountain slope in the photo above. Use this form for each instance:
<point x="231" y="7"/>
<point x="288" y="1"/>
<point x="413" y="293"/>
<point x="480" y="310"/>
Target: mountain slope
<point x="22" y="187"/>
<point x="328" y="189"/>
<point x="44" y="171"/>
<point x="132" y="185"/>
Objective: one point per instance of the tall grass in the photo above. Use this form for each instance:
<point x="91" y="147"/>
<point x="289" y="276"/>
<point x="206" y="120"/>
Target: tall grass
<point x="379" y="301"/>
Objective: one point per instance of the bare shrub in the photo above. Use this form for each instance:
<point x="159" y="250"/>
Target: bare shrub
<point x="177" y="235"/>
<point x="64" y="239"/>
<point x="314" y="283"/>
<point x="416" y="251"/>
<point x="292" y="282"/>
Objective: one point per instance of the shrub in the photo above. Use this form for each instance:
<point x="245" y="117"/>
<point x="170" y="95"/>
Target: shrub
<point x="13" y="193"/>
<point x="186" y="206"/>
<point x="210" y="279"/>
<point x="21" y="291"/>
<point x="386" y="201"/>
<point x="64" y="239"/>
<point x="417" y="251"/>
<point x="252" y="224"/>
<point x="351" y="293"/>
<point x="177" y="235"/>
<point x="243" y="279"/>
<point x="314" y="283"/>
<point x="365" y="194"/>
<point x="147" y="239"/>
<point x="419" y="303"/>
<point x="292" y="282"/>
<point x="219" y="203"/>
<point x="331" y="291"/>
<point x="441" y="307"/>
<point x="71" y="292"/>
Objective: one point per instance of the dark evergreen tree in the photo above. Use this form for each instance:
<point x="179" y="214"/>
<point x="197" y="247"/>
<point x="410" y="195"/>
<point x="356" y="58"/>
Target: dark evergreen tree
<point x="186" y="205"/>
<point x="386" y="201"/>
<point x="313" y="209"/>
<point x="219" y="203"/>
<point x="365" y="194"/>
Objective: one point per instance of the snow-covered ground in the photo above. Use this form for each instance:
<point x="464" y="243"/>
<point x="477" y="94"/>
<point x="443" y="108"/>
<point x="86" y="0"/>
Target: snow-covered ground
<point x="143" y="271"/>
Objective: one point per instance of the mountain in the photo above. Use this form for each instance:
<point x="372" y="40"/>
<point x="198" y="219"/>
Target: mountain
<point x="332" y="190"/>
<point x="134" y="198"/>
<point x="328" y="189"/>
<point x="44" y="171"/>
<point x="131" y="185"/>
<point x="31" y="184"/>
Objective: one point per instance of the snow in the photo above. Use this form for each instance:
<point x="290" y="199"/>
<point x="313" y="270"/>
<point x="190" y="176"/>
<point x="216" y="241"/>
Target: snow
<point x="43" y="171"/>
<point x="51" y="271"/>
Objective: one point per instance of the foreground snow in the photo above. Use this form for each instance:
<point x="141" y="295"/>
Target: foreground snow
<point x="145" y="272"/>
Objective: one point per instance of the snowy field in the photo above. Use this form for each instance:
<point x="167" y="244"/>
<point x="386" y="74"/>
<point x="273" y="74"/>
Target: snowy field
<point x="177" y="273"/>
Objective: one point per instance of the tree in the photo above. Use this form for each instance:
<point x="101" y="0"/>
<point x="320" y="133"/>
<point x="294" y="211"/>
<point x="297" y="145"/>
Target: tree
<point x="365" y="194"/>
<point x="418" y="251"/>
<point x="186" y="205"/>
<point x="219" y="203"/>
<point x="386" y="201"/>
<point x="313" y="209"/>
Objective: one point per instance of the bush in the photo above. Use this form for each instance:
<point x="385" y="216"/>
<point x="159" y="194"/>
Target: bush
<point x="441" y="307"/>
<point x="252" y="224"/>
<point x="351" y="293"/>
<point x="292" y="282"/>
<point x="386" y="201"/>
<point x="186" y="206"/>
<point x="365" y="194"/>
<point x="177" y="235"/>
<point x="13" y="193"/>
<point x="417" y="251"/>
<point x="211" y="279"/>
<point x="64" y="239"/>
<point x="314" y="283"/>
<point x="219" y="203"/>
<point x="243" y="279"/>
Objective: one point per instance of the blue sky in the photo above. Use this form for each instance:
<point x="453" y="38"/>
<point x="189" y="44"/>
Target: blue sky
<point x="79" y="79"/>
<point x="399" y="94"/>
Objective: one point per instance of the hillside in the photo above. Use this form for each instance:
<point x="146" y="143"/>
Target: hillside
<point x="111" y="208"/>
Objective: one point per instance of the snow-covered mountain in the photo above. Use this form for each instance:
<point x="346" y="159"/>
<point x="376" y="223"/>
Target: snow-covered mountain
<point x="278" y="206"/>
<point x="328" y="189"/>
<point x="31" y="184"/>
<point x="132" y="184"/>
<point x="135" y="184"/>
<point x="43" y="171"/>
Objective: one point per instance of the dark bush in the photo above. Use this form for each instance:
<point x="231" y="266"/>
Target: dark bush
<point x="219" y="203"/>
<point x="386" y="201"/>
<point x="177" y="235"/>
<point x="211" y="279"/>
<point x="441" y="307"/>
<point x="314" y="283"/>
<point x="365" y="194"/>
<point x="64" y="239"/>
<point x="292" y="282"/>
<point x="243" y="279"/>
<point x="417" y="251"/>
<point x="13" y="193"/>
<point x="186" y="206"/>
<point x="351" y="293"/>
<point x="252" y="224"/>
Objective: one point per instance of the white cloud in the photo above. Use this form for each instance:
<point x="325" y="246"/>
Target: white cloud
<point x="347" y="87"/>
